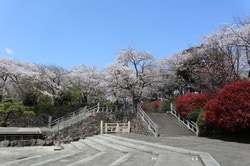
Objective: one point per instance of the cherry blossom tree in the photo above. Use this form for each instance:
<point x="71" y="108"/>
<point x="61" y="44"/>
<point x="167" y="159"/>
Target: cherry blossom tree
<point x="87" y="79"/>
<point x="168" y="68"/>
<point x="12" y="75"/>
<point x="51" y="80"/>
<point x="132" y="75"/>
<point x="234" y="42"/>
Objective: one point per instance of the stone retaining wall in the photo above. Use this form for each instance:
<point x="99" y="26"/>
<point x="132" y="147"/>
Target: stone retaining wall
<point x="84" y="128"/>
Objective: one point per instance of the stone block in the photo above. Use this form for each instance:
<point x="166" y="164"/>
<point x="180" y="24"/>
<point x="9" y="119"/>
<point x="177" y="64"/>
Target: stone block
<point x="4" y="143"/>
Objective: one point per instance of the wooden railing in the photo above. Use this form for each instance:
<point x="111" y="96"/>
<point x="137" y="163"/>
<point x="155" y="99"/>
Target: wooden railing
<point x="189" y="124"/>
<point x="62" y="122"/>
<point x="151" y="124"/>
<point x="114" y="127"/>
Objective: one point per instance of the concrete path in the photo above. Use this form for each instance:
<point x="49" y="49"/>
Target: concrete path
<point x="225" y="153"/>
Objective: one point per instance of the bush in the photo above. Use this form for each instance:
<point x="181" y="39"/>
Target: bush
<point x="156" y="105"/>
<point x="230" y="110"/>
<point x="202" y="124"/>
<point x="147" y="106"/>
<point x="165" y="106"/>
<point x="191" y="101"/>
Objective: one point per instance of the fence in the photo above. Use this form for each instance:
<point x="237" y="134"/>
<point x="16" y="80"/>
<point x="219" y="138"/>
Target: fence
<point x="114" y="127"/>
<point x="72" y="118"/>
<point x="189" y="124"/>
<point x="151" y="125"/>
<point x="110" y="109"/>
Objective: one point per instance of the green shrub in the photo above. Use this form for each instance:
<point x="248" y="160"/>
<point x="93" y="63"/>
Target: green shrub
<point x="165" y="106"/>
<point x="193" y="115"/>
<point x="202" y="124"/>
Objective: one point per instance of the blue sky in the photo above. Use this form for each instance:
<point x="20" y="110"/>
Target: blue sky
<point x="91" y="32"/>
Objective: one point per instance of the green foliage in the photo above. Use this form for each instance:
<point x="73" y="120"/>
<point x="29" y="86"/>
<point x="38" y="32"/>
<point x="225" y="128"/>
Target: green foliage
<point x="165" y="106"/>
<point x="202" y="124"/>
<point x="156" y="106"/>
<point x="70" y="96"/>
<point x="30" y="98"/>
<point x="10" y="108"/>
<point x="193" y="115"/>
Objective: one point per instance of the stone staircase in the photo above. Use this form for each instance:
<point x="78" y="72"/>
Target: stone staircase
<point x="105" y="150"/>
<point x="169" y="126"/>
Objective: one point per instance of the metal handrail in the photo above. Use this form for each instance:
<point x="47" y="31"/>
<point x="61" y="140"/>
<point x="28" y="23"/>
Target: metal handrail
<point x="189" y="124"/>
<point x="151" y="125"/>
<point x="73" y="117"/>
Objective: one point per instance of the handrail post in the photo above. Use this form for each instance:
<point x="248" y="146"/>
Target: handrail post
<point x="129" y="127"/>
<point x="156" y="131"/>
<point x="101" y="127"/>
<point x="117" y="127"/>
<point x="106" y="128"/>
<point x="49" y="122"/>
<point x="98" y="107"/>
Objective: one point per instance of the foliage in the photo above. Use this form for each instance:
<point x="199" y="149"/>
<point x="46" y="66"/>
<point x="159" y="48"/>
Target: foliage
<point x="147" y="106"/>
<point x="132" y="76"/>
<point x="156" y="104"/>
<point x="221" y="59"/>
<point x="30" y="98"/>
<point x="165" y="106"/>
<point x="191" y="101"/>
<point x="193" y="115"/>
<point x="70" y="96"/>
<point x="202" y="124"/>
<point x="10" y="108"/>
<point x="230" y="110"/>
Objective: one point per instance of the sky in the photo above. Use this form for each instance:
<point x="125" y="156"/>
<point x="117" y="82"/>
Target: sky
<point x="69" y="33"/>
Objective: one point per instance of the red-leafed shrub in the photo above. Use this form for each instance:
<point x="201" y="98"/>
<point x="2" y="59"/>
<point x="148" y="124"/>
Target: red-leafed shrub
<point x="230" y="110"/>
<point x="156" y="104"/>
<point x="144" y="106"/>
<point x="190" y="102"/>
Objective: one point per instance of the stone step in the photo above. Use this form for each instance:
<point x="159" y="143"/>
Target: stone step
<point x="145" y="146"/>
<point x="78" y="145"/>
<point x="69" y="154"/>
<point x="111" y="146"/>
<point x="122" y="159"/>
<point x="131" y="155"/>
<point x="180" y="156"/>
<point x="111" y="150"/>
<point x="169" y="126"/>
<point x="94" y="145"/>
<point x="152" y="153"/>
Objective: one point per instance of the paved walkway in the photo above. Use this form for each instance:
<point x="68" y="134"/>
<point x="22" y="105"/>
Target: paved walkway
<point x="225" y="153"/>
